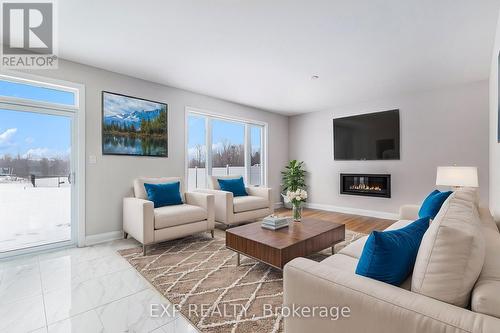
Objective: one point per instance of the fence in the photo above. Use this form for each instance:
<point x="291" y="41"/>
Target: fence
<point x="197" y="176"/>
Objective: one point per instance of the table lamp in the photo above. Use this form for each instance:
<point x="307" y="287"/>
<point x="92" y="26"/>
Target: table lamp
<point x="457" y="176"/>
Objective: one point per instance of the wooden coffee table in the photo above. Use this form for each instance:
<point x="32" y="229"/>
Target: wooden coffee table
<point x="276" y="248"/>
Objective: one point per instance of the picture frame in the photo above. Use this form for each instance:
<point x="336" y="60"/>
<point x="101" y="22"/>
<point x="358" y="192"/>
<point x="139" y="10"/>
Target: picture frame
<point x="133" y="126"/>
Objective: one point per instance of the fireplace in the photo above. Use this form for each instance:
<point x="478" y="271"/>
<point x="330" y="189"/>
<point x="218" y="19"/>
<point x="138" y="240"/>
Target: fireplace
<point x="373" y="185"/>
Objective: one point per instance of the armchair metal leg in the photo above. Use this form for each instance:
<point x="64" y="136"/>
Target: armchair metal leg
<point x="143" y="250"/>
<point x="125" y="235"/>
<point x="212" y="233"/>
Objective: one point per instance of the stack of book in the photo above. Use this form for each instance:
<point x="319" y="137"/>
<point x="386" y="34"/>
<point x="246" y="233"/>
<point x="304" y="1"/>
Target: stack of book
<point x="275" y="222"/>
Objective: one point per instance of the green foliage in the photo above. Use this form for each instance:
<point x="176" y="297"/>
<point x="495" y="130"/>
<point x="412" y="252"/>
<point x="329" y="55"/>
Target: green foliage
<point x="154" y="127"/>
<point x="293" y="177"/>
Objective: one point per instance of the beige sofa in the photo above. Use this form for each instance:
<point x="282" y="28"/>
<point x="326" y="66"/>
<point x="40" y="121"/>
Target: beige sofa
<point x="230" y="210"/>
<point x="150" y="225"/>
<point x="379" y="307"/>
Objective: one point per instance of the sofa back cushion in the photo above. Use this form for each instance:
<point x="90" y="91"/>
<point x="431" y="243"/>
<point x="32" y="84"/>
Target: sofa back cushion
<point x="213" y="181"/>
<point x="140" y="191"/>
<point x="452" y="252"/>
<point x="485" y="296"/>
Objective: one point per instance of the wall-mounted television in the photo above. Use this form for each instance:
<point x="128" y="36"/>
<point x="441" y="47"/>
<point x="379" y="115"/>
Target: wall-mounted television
<point x="372" y="136"/>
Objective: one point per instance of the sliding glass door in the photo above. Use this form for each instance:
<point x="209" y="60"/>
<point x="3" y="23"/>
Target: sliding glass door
<point x="35" y="179"/>
<point x="222" y="146"/>
<point x="38" y="198"/>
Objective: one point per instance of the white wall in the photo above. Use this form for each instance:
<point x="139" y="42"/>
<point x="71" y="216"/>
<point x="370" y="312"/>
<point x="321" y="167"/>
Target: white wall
<point x="440" y="127"/>
<point x="494" y="145"/>
<point x="110" y="179"/>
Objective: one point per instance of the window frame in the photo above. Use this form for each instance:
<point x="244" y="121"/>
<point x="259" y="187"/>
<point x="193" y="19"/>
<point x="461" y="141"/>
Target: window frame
<point x="70" y="87"/>
<point x="248" y="123"/>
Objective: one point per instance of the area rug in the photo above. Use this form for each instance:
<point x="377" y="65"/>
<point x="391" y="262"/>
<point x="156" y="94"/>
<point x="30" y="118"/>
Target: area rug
<point x="200" y="277"/>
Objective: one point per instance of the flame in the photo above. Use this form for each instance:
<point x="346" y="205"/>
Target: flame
<point x="364" y="187"/>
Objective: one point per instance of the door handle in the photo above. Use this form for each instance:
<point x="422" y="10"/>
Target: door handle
<point x="71" y="177"/>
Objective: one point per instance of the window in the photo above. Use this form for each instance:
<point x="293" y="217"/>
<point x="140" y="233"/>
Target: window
<point x="37" y="93"/>
<point x="256" y="169"/>
<point x="223" y="146"/>
<point x="197" y="152"/>
<point x="228" y="148"/>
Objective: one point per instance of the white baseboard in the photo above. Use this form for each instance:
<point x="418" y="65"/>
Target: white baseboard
<point x="278" y="205"/>
<point x="104" y="237"/>
<point x="356" y="211"/>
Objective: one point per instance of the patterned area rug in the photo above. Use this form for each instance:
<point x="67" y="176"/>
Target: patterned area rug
<point x="200" y="277"/>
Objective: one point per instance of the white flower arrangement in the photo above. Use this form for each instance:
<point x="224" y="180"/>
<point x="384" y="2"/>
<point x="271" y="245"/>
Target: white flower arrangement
<point x="297" y="197"/>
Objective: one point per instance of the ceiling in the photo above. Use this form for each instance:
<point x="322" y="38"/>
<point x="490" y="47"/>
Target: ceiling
<point x="263" y="53"/>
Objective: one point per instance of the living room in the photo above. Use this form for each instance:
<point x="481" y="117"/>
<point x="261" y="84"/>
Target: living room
<point x="252" y="166"/>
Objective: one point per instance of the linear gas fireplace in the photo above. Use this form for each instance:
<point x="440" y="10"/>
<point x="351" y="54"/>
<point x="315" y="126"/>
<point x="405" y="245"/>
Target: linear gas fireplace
<point x="373" y="185"/>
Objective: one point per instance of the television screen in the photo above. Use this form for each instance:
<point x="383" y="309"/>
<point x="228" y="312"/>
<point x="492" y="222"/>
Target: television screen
<point x="372" y="136"/>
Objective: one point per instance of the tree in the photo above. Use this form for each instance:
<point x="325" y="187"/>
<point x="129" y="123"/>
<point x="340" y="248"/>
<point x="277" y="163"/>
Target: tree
<point x="255" y="158"/>
<point x="228" y="154"/>
<point x="198" y="160"/>
<point x="44" y="166"/>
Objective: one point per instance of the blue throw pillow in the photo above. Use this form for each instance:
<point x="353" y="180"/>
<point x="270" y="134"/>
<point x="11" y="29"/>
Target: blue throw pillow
<point x="389" y="256"/>
<point x="432" y="204"/>
<point x="234" y="185"/>
<point x="164" y="194"/>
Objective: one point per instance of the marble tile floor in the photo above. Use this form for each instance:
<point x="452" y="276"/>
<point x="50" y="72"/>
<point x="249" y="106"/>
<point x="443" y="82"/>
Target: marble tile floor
<point x="91" y="289"/>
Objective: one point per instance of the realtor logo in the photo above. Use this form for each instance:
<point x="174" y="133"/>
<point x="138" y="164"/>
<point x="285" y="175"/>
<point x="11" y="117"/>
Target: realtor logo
<point x="28" y="35"/>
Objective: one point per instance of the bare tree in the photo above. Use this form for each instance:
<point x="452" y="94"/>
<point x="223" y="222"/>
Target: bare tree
<point x="228" y="154"/>
<point x="24" y="166"/>
<point x="198" y="160"/>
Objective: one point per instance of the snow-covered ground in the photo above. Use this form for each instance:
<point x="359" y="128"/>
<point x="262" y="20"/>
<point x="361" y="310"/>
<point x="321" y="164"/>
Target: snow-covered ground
<point x="34" y="216"/>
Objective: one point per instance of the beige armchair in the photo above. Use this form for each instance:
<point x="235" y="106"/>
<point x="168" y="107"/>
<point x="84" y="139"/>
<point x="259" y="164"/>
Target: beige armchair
<point x="230" y="210"/>
<point x="150" y="225"/>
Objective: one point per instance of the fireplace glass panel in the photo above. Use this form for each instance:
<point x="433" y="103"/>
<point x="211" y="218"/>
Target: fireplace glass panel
<point x="368" y="185"/>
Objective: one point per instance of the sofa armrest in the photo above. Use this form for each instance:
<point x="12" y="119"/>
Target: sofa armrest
<point x="374" y="306"/>
<point x="263" y="192"/>
<point x="138" y="219"/>
<point x="199" y="199"/>
<point x="409" y="212"/>
<point x="204" y="200"/>
<point x="223" y="201"/>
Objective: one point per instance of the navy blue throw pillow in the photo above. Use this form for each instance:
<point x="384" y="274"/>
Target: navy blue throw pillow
<point x="389" y="256"/>
<point x="432" y="204"/>
<point x="167" y="194"/>
<point x="234" y="185"/>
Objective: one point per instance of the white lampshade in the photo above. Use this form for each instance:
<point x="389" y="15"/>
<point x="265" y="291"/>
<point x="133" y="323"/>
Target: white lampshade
<point x="457" y="176"/>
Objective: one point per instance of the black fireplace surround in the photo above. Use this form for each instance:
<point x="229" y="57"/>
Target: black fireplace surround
<point x="373" y="185"/>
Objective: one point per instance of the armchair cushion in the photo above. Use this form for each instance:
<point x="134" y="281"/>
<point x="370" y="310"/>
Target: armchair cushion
<point x="167" y="194"/>
<point x="170" y="216"/>
<point x="235" y="186"/>
<point x="247" y="203"/>
<point x="213" y="181"/>
<point x="140" y="191"/>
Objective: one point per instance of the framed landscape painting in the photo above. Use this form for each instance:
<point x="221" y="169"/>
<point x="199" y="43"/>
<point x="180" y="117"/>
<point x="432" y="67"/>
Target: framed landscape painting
<point x="133" y="126"/>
